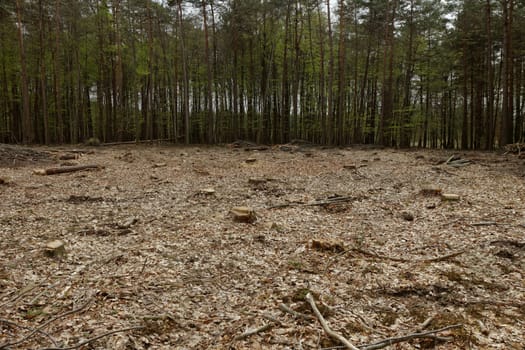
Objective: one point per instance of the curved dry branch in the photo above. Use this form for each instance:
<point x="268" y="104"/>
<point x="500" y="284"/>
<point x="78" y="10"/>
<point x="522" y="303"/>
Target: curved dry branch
<point x="310" y="299"/>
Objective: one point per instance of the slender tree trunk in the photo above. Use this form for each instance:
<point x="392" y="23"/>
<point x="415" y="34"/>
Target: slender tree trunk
<point x="322" y="88"/>
<point x="507" y="81"/>
<point x="215" y="73"/>
<point x="285" y="85"/>
<point x="210" y="115"/>
<point x="57" y="77"/>
<point x="489" y="143"/>
<point x="186" y="88"/>
<point x="27" y="127"/>
<point x="387" y="110"/>
<point x="330" y="116"/>
<point x="43" y="78"/>
<point x="341" y="79"/>
<point x="406" y="113"/>
<point x="296" y="81"/>
<point x="465" y="128"/>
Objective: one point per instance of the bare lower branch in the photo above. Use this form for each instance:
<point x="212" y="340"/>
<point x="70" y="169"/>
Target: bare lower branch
<point x="310" y="299"/>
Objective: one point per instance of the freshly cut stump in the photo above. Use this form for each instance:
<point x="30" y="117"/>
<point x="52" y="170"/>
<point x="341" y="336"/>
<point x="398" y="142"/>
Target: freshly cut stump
<point x="55" y="249"/>
<point x="243" y="214"/>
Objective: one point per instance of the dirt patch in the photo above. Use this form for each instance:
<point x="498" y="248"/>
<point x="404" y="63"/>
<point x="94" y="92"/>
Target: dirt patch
<point x="150" y="242"/>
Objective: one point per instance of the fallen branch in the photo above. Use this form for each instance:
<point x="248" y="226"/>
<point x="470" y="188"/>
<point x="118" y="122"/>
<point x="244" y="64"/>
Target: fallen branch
<point x="439" y="258"/>
<point x="139" y="141"/>
<point x="87" y="341"/>
<point x="394" y="340"/>
<point x="36" y="330"/>
<point x="250" y="332"/>
<point x="334" y="200"/>
<point x="484" y="223"/>
<point x="65" y="169"/>
<point x="286" y="308"/>
<point x="13" y="324"/>
<point x="24" y="291"/>
<point x="310" y="299"/>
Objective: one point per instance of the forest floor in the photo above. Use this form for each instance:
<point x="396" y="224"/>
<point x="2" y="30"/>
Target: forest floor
<point x="155" y="260"/>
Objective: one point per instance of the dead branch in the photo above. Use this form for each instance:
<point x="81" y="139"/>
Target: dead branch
<point x="36" y="330"/>
<point x="66" y="169"/>
<point x="250" y="332"/>
<point x="24" y="291"/>
<point x="87" y="341"/>
<point x="286" y="308"/>
<point x="394" y="340"/>
<point x="328" y="201"/>
<point x="334" y="258"/>
<point x="484" y="223"/>
<point x="439" y="258"/>
<point x="310" y="299"/>
<point x="14" y="324"/>
<point x="426" y="323"/>
<point x="139" y="141"/>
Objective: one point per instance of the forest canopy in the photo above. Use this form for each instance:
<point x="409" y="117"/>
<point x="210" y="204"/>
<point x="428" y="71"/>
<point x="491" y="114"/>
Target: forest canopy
<point x="403" y="73"/>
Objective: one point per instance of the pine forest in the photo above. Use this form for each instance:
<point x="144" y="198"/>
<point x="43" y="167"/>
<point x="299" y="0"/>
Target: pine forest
<point x="403" y="73"/>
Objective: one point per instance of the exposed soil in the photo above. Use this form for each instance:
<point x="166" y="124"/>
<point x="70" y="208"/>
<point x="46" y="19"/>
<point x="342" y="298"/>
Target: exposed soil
<point x="150" y="242"/>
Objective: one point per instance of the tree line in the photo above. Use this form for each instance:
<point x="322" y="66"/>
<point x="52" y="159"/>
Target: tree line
<point x="402" y="73"/>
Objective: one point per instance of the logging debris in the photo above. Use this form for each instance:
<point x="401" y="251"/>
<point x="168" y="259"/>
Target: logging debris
<point x="66" y="169"/>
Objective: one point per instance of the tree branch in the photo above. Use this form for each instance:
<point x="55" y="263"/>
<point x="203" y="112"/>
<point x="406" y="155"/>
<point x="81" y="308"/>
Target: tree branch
<point x="87" y="341"/>
<point x="36" y="330"/>
<point x="309" y="298"/>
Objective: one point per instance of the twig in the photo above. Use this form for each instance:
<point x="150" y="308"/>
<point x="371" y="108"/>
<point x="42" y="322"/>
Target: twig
<point x="484" y="223"/>
<point x="439" y="258"/>
<point x="309" y="298"/>
<point x="24" y="291"/>
<point x="285" y="308"/>
<point x="334" y="200"/>
<point x="394" y="340"/>
<point x="250" y="332"/>
<point x="13" y="324"/>
<point x="334" y="258"/>
<point x="25" y="338"/>
<point x="426" y="323"/>
<point x="144" y="266"/>
<point x="87" y="341"/>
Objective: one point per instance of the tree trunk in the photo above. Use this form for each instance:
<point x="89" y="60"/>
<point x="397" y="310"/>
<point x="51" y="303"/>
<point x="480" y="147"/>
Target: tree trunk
<point x="489" y="143"/>
<point x="406" y="113"/>
<point x="507" y="81"/>
<point x="341" y="79"/>
<point x="210" y="115"/>
<point x="43" y="78"/>
<point x="387" y="110"/>
<point x="27" y="127"/>
<point x="185" y="78"/>
<point x="330" y="114"/>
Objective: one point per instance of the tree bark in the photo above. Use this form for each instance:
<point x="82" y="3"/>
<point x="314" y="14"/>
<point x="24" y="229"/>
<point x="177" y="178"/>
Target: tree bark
<point x="27" y="127"/>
